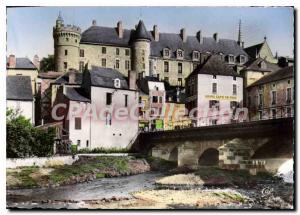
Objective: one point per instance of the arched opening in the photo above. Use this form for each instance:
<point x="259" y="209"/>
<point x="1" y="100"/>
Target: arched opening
<point x="210" y="157"/>
<point x="174" y="155"/>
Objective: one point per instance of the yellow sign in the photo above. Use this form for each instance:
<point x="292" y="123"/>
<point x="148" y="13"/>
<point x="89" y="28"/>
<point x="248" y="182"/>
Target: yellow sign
<point x="220" y="97"/>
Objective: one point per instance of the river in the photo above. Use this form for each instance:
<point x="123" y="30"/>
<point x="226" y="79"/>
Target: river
<point x="120" y="187"/>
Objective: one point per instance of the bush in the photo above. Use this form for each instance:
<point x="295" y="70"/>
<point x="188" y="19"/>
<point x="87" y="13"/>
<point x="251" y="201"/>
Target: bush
<point x="103" y="150"/>
<point x="24" y="140"/>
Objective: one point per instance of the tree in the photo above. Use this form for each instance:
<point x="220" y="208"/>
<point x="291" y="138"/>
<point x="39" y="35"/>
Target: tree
<point x="47" y="64"/>
<point x="24" y="140"/>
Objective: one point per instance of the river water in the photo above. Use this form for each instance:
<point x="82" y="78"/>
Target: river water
<point x="120" y="187"/>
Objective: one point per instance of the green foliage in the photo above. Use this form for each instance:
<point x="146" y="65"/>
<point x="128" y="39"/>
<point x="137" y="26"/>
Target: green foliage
<point x="24" y="140"/>
<point x="103" y="150"/>
<point x="47" y="64"/>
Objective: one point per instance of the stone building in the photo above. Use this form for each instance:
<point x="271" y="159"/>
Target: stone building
<point x="22" y="67"/>
<point x="167" y="56"/>
<point x="272" y="96"/>
<point x="214" y="91"/>
<point x="19" y="96"/>
<point x="101" y="94"/>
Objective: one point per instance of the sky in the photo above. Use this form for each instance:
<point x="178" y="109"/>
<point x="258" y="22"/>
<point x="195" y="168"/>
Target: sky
<point x="29" y="29"/>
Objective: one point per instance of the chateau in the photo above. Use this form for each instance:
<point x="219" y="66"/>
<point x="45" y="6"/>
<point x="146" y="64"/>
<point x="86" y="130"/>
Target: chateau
<point x="170" y="57"/>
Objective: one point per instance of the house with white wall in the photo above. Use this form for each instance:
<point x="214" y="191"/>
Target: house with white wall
<point x="214" y="92"/>
<point x="19" y="96"/>
<point x="107" y="116"/>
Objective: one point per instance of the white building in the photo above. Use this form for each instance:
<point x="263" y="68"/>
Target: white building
<point x="108" y="110"/>
<point x="19" y="96"/>
<point x="214" y="92"/>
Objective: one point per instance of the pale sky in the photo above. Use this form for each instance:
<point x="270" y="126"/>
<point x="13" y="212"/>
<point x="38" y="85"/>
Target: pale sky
<point x="29" y="29"/>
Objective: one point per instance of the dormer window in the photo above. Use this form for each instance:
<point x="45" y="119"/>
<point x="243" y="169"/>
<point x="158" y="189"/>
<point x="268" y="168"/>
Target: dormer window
<point x="196" y="55"/>
<point x="179" y="53"/>
<point x="117" y="83"/>
<point x="230" y="58"/>
<point x="242" y="59"/>
<point x="166" y="52"/>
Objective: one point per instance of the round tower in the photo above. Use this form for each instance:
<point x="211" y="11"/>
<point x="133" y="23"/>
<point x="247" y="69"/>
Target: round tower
<point x="66" y="46"/>
<point x="141" y="50"/>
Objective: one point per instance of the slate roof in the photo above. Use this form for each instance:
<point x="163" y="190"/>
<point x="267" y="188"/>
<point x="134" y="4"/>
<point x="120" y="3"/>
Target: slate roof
<point x="173" y="41"/>
<point x="253" y="50"/>
<point x="104" y="77"/>
<point x="287" y="72"/>
<point x="76" y="94"/>
<point x="214" y="65"/>
<point x="19" y="88"/>
<point x="142" y="83"/>
<point x="22" y="63"/>
<point x="253" y="65"/>
<point x="64" y="79"/>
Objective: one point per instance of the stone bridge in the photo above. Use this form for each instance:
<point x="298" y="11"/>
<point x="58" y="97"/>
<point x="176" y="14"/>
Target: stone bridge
<point x="229" y="145"/>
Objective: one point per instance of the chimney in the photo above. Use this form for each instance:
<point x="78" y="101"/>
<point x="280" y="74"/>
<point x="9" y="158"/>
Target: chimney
<point x="11" y="61"/>
<point x="36" y="61"/>
<point x="72" y="76"/>
<point x="155" y="33"/>
<point x="132" y="79"/>
<point x="215" y="36"/>
<point x="120" y="29"/>
<point x="199" y="37"/>
<point x="243" y="44"/>
<point x="183" y="34"/>
<point x="94" y="22"/>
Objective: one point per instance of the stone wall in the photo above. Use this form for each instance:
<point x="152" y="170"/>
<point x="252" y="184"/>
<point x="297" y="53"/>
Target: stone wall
<point x="40" y="161"/>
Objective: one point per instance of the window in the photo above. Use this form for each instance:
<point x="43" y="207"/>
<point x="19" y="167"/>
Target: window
<point x="214" y="77"/>
<point x="242" y="59"/>
<point x="117" y="64"/>
<point x="196" y="55"/>
<point x="160" y="99"/>
<point x="214" y="88"/>
<point x="230" y="58"/>
<point x="81" y="53"/>
<point x="108" y="98"/>
<point x="81" y="66"/>
<point x="166" y="52"/>
<point x="234" y="89"/>
<point x="87" y="143"/>
<point x="180" y="81"/>
<point x="288" y="95"/>
<point x="103" y="50"/>
<point x="273" y="97"/>
<point x="107" y="118"/>
<point x="214" y="104"/>
<point x="66" y="52"/>
<point x="233" y="104"/>
<point x="214" y="121"/>
<point x="166" y="66"/>
<point x="65" y="65"/>
<point x="126" y="100"/>
<point x="154" y="99"/>
<point x="260" y="100"/>
<point x="67" y="39"/>
<point x="117" y="83"/>
<point x="117" y="51"/>
<point x="103" y="62"/>
<point x="234" y="78"/>
<point x="274" y="113"/>
<point x="127" y="64"/>
<point x="288" y="112"/>
<point x="78" y="143"/>
<point x="180" y="68"/>
<point x="127" y="52"/>
<point x="179" y="53"/>
<point x="18" y="106"/>
<point x="260" y="114"/>
<point x="166" y="79"/>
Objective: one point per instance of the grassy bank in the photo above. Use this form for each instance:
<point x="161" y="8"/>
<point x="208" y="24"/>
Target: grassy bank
<point x="85" y="169"/>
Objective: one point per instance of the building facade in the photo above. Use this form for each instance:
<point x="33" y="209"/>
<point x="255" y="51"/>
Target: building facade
<point x="19" y="96"/>
<point x="214" y="92"/>
<point x="273" y="96"/>
<point x="167" y="56"/>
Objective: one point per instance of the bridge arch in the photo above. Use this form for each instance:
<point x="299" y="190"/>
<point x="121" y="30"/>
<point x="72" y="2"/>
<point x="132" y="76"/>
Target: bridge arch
<point x="209" y="157"/>
<point x="173" y="154"/>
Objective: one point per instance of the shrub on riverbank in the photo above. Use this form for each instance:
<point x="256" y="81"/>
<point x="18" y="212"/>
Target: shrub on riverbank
<point x="102" y="150"/>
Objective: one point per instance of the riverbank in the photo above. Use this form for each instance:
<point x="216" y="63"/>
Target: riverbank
<point x="85" y="169"/>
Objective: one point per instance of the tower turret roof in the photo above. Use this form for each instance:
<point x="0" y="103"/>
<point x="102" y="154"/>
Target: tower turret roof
<point x="141" y="32"/>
